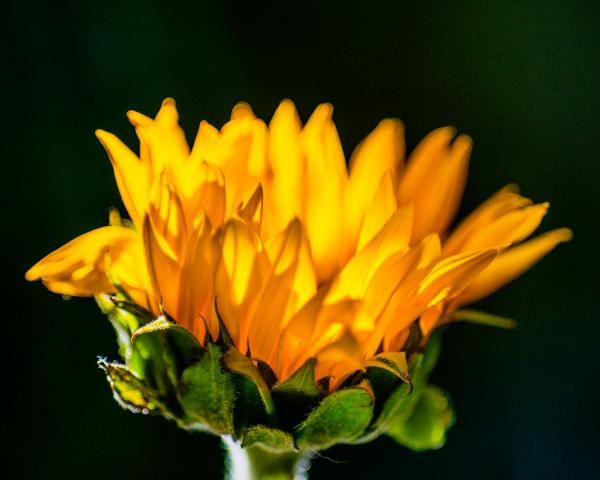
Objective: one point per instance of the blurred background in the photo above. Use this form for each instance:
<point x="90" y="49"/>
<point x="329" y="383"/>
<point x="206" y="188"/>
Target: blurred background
<point x="522" y="78"/>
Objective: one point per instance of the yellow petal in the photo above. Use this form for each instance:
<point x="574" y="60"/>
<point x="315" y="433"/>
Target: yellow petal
<point x="242" y="110"/>
<point x="252" y="211"/>
<point x="428" y="181"/>
<point x="166" y="212"/>
<point x="391" y="296"/>
<point x="132" y="176"/>
<point x="78" y="267"/>
<point x="239" y="278"/>
<point x="195" y="280"/>
<point x="509" y="228"/>
<point x="205" y="145"/>
<point x="241" y="155"/>
<point x="341" y="357"/>
<point x="164" y="144"/>
<point x="285" y="187"/>
<point x="499" y="204"/>
<point x="162" y="267"/>
<point x="430" y="318"/>
<point x="512" y="263"/>
<point x="326" y="186"/>
<point x="381" y="152"/>
<point x="452" y="183"/>
<point x="451" y="275"/>
<point x="390" y="275"/>
<point x="424" y="288"/>
<point x="379" y="212"/>
<point x="358" y="272"/>
<point x="322" y="327"/>
<point x="302" y="325"/>
<point x="270" y="315"/>
<point x="208" y="196"/>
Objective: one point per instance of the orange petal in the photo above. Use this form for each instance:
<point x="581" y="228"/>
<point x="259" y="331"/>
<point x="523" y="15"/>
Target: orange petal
<point x="162" y="268"/>
<point x="79" y="267"/>
<point x="132" y="176"/>
<point x="195" y="280"/>
<point x="512" y="263"/>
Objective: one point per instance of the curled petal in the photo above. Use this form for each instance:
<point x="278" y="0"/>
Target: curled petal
<point x="79" y="267"/>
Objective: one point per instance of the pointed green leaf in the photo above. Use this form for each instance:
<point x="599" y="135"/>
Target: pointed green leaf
<point x="393" y="362"/>
<point x="484" y="318"/>
<point x="296" y="397"/>
<point x="224" y="335"/>
<point x="129" y="391"/>
<point x="301" y="383"/>
<point x="267" y="437"/>
<point x="426" y="427"/>
<point x="402" y="401"/>
<point x="238" y="363"/>
<point x="122" y="321"/>
<point x="340" y="418"/>
<point x="161" y="350"/>
<point x="157" y="325"/>
<point x="207" y="394"/>
<point x="183" y="342"/>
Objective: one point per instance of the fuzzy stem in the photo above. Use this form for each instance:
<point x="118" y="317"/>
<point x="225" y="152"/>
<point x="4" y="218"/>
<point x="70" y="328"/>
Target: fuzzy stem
<point x="258" y="463"/>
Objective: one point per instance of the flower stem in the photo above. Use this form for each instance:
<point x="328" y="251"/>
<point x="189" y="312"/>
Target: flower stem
<point x="259" y="463"/>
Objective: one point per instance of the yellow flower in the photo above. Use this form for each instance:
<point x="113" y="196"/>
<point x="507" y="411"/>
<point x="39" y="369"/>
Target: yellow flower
<point x="264" y="228"/>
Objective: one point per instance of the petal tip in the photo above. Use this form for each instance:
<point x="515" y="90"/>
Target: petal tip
<point x="168" y="102"/>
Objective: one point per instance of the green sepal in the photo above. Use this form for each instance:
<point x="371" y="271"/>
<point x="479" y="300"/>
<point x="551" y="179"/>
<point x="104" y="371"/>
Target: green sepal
<point x="236" y="362"/>
<point x="207" y="394"/>
<point x="402" y="400"/>
<point x="130" y="392"/>
<point x="152" y="360"/>
<point x="269" y="438"/>
<point x="426" y="427"/>
<point x="341" y="417"/>
<point x="393" y="362"/>
<point x="224" y="338"/>
<point x="184" y="345"/>
<point x="297" y="396"/>
<point x="122" y="321"/>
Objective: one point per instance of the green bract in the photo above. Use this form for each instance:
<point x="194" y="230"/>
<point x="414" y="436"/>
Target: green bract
<point x="216" y="389"/>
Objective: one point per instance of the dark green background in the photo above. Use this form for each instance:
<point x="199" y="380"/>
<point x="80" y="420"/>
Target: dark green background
<point x="521" y="77"/>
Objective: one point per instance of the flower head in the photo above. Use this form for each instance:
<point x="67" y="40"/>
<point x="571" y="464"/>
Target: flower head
<point x="263" y="231"/>
<point x="264" y="292"/>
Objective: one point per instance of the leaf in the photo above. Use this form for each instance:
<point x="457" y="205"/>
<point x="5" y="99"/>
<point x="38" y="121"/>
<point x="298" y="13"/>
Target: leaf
<point x="393" y="362"/>
<point x="426" y="427"/>
<point x="483" y="318"/>
<point x="267" y="437"/>
<point x="207" y="394"/>
<point x="238" y="363"/>
<point x="340" y="418"/>
<point x="298" y="395"/>
<point x="129" y="391"/>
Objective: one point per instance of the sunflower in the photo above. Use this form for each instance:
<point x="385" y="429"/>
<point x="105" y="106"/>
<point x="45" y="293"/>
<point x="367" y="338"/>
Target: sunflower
<point x="261" y="235"/>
